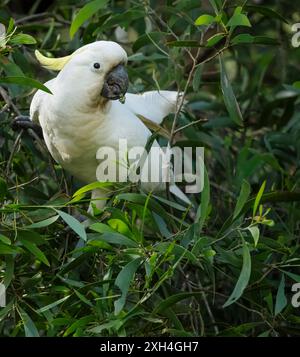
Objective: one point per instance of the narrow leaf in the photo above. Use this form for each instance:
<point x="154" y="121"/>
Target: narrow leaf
<point x="258" y="198"/>
<point x="123" y="281"/>
<point x="255" y="234"/>
<point x="243" y="197"/>
<point x="215" y="39"/>
<point x="25" y="81"/>
<point x="52" y="305"/>
<point x="242" y="38"/>
<point x="243" y="278"/>
<point x="29" y="326"/>
<point x="113" y="238"/>
<point x="85" y="13"/>
<point x="93" y="186"/>
<point x="266" y="11"/>
<point x="74" y="224"/>
<point x="281" y="300"/>
<point x="35" y="251"/>
<point x="229" y="97"/>
<point x="44" y="223"/>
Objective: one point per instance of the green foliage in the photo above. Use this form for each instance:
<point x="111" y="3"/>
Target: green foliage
<point x="147" y="264"/>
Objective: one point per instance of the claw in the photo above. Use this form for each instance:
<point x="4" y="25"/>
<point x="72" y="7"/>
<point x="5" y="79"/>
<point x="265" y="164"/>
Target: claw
<point x="24" y="122"/>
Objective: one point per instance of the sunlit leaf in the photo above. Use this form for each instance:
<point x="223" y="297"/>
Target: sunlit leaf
<point x="258" y="198"/>
<point x="204" y="20"/>
<point x="85" y="13"/>
<point x="238" y="19"/>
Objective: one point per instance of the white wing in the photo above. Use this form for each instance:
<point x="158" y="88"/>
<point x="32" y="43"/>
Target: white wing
<point x="37" y="101"/>
<point x="154" y="105"/>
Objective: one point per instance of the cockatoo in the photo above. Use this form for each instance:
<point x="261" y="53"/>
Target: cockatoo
<point x="83" y="112"/>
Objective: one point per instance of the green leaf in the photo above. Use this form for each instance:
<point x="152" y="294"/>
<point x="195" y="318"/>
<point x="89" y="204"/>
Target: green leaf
<point x="264" y="40"/>
<point x="296" y="84"/>
<point x="7" y="249"/>
<point x="238" y="19"/>
<point x="11" y="25"/>
<point x="44" y="223"/>
<point x="113" y="324"/>
<point x="120" y="226"/>
<point x="197" y="78"/>
<point x="266" y="11"/>
<point x="242" y="38"/>
<point x="173" y="299"/>
<point x="204" y="20"/>
<point x="82" y="322"/>
<point x="9" y="270"/>
<point x="74" y="224"/>
<point x="35" y="251"/>
<point x="25" y="81"/>
<point x="246" y="38"/>
<point x="258" y="198"/>
<point x="22" y="39"/>
<point x="114" y="238"/>
<point x="83" y="298"/>
<point x="141" y="200"/>
<point x="254" y="230"/>
<point x="101" y="228"/>
<point x="243" y="197"/>
<point x="229" y="97"/>
<point x="92" y="186"/>
<point x="243" y="278"/>
<point x="281" y="300"/>
<point x="4" y="239"/>
<point x="29" y="326"/>
<point x="213" y="40"/>
<point x="85" y="13"/>
<point x="293" y="276"/>
<point x="52" y="305"/>
<point x="123" y="281"/>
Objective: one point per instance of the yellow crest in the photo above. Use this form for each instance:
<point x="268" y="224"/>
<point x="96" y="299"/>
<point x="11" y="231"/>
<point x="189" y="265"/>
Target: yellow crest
<point x="56" y="64"/>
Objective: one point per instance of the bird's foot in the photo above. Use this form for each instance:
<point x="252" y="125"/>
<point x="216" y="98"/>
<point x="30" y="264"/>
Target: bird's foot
<point x="24" y="122"/>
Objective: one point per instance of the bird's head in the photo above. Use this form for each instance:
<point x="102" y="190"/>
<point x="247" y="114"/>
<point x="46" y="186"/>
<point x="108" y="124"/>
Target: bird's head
<point x="96" y="69"/>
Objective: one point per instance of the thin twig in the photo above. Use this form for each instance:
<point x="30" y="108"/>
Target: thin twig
<point x="14" y="149"/>
<point x="23" y="184"/>
<point x="41" y="15"/>
<point x="190" y="124"/>
<point x="210" y="314"/>
<point x="9" y="101"/>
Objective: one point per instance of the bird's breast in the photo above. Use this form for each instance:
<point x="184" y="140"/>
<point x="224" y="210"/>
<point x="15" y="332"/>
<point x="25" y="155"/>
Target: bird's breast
<point x="73" y="140"/>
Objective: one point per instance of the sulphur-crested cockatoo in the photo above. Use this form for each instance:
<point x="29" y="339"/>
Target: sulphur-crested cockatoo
<point x="83" y="113"/>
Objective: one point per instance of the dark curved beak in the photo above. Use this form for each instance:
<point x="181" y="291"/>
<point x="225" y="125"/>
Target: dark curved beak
<point x="116" y="83"/>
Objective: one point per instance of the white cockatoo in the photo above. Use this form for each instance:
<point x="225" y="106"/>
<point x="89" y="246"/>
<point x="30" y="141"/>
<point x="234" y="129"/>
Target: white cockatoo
<point x="83" y="112"/>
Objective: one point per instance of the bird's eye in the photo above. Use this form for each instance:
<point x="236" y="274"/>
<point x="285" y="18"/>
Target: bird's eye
<point x="97" y="65"/>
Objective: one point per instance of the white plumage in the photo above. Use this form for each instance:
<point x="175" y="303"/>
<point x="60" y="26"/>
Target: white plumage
<point x="77" y="120"/>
